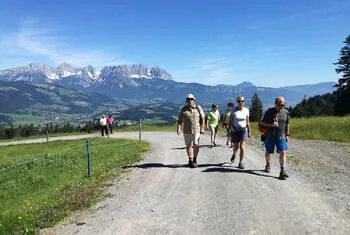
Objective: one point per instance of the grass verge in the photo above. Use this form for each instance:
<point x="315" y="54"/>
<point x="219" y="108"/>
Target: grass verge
<point x="40" y="184"/>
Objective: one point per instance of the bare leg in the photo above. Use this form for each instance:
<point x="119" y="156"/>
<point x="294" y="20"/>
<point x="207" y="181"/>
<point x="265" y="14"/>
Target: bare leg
<point x="267" y="159"/>
<point x="283" y="159"/>
<point x="235" y="147"/>
<point x="189" y="151"/>
<point x="195" y="150"/>
<point x="242" y="150"/>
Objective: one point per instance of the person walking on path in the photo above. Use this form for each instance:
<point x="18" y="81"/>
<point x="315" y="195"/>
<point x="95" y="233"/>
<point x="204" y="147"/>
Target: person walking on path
<point x="213" y="123"/>
<point x="240" y="129"/>
<point x="103" y="125"/>
<point x="193" y="119"/>
<point x="277" y="119"/>
<point x="226" y="123"/>
<point x="110" y="123"/>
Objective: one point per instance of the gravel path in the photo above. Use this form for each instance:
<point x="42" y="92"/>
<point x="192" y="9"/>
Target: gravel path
<point x="161" y="195"/>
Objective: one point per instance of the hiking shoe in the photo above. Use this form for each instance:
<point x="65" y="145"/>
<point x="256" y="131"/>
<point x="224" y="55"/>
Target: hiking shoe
<point x="267" y="168"/>
<point x="283" y="175"/>
<point x="240" y="165"/>
<point x="233" y="158"/>
<point x="190" y="163"/>
<point x="194" y="163"/>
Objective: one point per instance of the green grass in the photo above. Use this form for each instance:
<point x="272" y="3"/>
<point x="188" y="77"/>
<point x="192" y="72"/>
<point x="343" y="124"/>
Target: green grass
<point x="145" y="128"/>
<point x="50" y="135"/>
<point x="321" y="128"/>
<point x="42" y="183"/>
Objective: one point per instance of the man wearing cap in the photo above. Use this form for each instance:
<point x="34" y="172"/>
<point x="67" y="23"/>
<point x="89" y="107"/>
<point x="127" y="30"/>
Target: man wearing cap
<point x="277" y="119"/>
<point x="193" y="118"/>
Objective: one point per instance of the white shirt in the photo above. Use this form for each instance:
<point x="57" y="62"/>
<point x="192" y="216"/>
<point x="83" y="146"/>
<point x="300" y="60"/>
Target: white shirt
<point x="103" y="121"/>
<point x="240" y="117"/>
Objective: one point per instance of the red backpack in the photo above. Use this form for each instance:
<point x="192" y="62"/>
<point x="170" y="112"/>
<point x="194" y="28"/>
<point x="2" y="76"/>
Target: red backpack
<point x="263" y="129"/>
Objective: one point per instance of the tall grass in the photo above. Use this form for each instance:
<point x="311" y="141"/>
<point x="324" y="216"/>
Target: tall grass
<point x="42" y="183"/>
<point x="317" y="128"/>
<point x="321" y="128"/>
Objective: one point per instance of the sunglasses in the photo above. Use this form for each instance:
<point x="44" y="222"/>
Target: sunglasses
<point x="241" y="101"/>
<point x="280" y="105"/>
<point x="189" y="99"/>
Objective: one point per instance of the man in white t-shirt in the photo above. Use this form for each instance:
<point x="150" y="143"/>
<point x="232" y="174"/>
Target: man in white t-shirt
<point x="103" y="125"/>
<point x="240" y="129"/>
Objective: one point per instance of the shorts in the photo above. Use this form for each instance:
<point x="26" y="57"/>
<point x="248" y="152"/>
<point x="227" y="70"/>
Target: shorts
<point x="213" y="129"/>
<point x="281" y="145"/>
<point x="239" y="136"/>
<point x="192" y="139"/>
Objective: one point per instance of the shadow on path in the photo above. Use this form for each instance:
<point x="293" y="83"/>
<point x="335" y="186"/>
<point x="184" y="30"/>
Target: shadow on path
<point x="202" y="146"/>
<point x="237" y="170"/>
<point x="159" y="165"/>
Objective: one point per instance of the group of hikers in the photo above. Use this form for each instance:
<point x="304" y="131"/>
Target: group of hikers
<point x="236" y="122"/>
<point x="106" y="125"/>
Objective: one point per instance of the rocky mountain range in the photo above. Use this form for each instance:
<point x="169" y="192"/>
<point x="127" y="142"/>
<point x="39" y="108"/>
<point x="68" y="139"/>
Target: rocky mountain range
<point x="140" y="82"/>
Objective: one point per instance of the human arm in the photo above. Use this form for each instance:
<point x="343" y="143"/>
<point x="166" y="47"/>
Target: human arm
<point x="179" y="123"/>
<point x="230" y="124"/>
<point x="287" y="131"/>
<point x="178" y="128"/>
<point x="248" y="127"/>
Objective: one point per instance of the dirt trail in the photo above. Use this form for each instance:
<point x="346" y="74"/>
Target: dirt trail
<point x="161" y="195"/>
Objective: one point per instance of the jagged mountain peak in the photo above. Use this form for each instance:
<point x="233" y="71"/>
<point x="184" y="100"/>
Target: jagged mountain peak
<point x="86" y="76"/>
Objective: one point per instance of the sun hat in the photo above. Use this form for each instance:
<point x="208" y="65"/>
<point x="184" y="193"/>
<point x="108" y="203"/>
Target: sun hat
<point x="190" y="96"/>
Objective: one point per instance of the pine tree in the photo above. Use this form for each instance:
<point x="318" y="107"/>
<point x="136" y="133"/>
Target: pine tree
<point x="256" y="108"/>
<point x="342" y="106"/>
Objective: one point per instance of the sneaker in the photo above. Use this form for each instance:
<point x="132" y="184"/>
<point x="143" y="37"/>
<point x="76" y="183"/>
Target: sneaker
<point x="283" y="175"/>
<point x="267" y="168"/>
<point x="194" y="163"/>
<point x="240" y="165"/>
<point x="190" y="163"/>
<point x="214" y="144"/>
<point x="233" y="158"/>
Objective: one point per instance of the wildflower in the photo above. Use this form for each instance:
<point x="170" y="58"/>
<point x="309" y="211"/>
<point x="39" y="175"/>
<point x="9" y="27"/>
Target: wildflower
<point x="19" y="217"/>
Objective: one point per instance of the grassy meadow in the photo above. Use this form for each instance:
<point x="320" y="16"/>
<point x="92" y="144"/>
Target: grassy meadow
<point x="321" y="128"/>
<point x="42" y="183"/>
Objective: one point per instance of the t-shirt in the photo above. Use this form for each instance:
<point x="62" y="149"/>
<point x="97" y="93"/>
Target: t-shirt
<point x="239" y="117"/>
<point x="103" y="121"/>
<point x="282" y="117"/>
<point x="227" y="116"/>
<point x="190" y="118"/>
<point x="110" y="120"/>
<point x="213" y="118"/>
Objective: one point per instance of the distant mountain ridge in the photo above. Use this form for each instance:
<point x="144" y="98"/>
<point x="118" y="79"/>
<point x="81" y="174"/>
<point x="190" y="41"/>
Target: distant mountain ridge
<point x="84" y="77"/>
<point x="140" y="82"/>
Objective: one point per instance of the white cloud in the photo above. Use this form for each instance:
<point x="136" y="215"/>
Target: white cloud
<point x="35" y="42"/>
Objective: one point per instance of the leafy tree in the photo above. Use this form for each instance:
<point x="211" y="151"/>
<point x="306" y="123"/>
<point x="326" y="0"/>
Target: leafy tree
<point x="256" y="108"/>
<point x="343" y="91"/>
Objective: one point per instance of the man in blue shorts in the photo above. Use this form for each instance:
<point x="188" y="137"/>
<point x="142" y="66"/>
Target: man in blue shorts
<point x="277" y="119"/>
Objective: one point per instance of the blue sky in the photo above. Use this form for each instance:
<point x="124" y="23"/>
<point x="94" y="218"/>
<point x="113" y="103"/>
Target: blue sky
<point x="270" y="43"/>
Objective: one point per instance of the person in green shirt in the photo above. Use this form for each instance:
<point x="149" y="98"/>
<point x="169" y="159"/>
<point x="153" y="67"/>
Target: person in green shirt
<point x="226" y="122"/>
<point x="213" y="123"/>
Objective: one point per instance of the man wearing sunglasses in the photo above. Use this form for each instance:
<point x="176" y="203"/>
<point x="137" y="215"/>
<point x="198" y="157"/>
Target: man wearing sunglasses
<point x="193" y="118"/>
<point x="277" y="119"/>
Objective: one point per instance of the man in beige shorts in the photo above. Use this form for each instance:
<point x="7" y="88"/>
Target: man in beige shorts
<point x="193" y="118"/>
